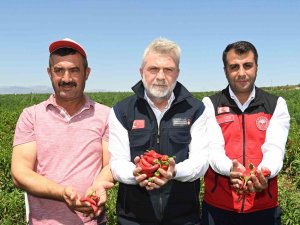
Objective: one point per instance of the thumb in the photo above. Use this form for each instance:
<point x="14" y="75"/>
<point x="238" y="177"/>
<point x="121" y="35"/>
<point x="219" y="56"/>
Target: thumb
<point x="107" y="185"/>
<point x="235" y="165"/>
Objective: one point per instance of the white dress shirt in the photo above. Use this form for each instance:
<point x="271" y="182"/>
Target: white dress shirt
<point x="273" y="148"/>
<point x="188" y="170"/>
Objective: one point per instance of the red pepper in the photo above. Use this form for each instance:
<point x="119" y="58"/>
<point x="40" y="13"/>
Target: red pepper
<point x="149" y="169"/>
<point x="154" y="154"/>
<point x="151" y="160"/>
<point x="265" y="172"/>
<point x="164" y="167"/>
<point x="164" y="158"/>
<point x="144" y="161"/>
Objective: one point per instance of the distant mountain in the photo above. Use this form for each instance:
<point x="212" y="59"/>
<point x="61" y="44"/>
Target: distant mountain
<point x="25" y="90"/>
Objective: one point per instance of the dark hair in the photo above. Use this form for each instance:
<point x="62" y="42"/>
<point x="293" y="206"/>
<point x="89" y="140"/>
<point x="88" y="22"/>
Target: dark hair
<point x="68" y="51"/>
<point x="240" y="47"/>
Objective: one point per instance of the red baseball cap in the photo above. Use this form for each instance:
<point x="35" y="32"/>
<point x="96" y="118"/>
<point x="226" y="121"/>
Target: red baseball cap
<point x="66" y="43"/>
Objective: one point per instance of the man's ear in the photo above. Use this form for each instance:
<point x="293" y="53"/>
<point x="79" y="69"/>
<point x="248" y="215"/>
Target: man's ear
<point x="141" y="72"/>
<point x="87" y="73"/>
<point x="49" y="72"/>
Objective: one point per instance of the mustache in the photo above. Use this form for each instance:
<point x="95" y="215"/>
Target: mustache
<point x="63" y="83"/>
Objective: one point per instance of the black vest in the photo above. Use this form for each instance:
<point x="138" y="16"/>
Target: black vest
<point x="175" y="201"/>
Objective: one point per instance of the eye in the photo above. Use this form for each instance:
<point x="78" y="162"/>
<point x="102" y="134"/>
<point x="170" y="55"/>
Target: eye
<point x="233" y="67"/>
<point x="74" y="70"/>
<point x="153" y="70"/>
<point x="248" y="66"/>
<point x="168" y="70"/>
<point x="58" y="70"/>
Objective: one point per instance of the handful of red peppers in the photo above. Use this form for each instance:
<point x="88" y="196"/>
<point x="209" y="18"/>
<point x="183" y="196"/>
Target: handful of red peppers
<point x="151" y="161"/>
<point x="243" y="190"/>
<point x="93" y="199"/>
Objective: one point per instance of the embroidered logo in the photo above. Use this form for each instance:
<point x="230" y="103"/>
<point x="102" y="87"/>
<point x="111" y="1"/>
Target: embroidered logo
<point x="181" y="122"/>
<point x="262" y="123"/>
<point x="224" y="109"/>
<point x="225" y="118"/>
<point x="138" y="124"/>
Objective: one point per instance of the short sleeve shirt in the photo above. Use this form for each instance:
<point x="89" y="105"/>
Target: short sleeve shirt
<point x="69" y="152"/>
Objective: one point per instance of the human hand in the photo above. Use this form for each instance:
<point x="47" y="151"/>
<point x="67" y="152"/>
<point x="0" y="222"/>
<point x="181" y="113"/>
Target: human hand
<point x="166" y="174"/>
<point x="259" y="180"/>
<point x="236" y="172"/>
<point x="96" y="195"/>
<point x="140" y="178"/>
<point x="72" y="199"/>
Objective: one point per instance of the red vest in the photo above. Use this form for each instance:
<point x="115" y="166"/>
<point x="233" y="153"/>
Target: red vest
<point x="244" y="134"/>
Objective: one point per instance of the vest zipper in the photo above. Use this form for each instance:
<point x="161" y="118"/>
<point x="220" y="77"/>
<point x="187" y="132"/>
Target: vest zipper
<point x="244" y="153"/>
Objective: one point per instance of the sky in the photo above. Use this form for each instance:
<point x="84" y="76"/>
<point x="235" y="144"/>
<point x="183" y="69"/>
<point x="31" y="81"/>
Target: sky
<point x="115" y="33"/>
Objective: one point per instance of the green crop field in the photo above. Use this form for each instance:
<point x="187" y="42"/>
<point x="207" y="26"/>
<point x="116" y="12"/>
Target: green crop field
<point x="12" y="208"/>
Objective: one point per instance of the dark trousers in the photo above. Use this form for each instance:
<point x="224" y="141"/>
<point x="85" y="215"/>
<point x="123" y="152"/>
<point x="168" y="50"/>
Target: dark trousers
<point x="216" y="216"/>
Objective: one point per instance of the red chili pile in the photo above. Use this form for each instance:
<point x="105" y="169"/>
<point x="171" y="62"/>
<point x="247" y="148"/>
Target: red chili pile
<point x="243" y="191"/>
<point x="151" y="161"/>
<point x="93" y="199"/>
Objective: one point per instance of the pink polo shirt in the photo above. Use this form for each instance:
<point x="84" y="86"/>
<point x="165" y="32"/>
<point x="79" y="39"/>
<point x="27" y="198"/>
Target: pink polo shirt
<point x="69" y="152"/>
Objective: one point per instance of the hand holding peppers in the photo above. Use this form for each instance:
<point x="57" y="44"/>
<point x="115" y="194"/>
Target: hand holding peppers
<point x="250" y="181"/>
<point x="153" y="170"/>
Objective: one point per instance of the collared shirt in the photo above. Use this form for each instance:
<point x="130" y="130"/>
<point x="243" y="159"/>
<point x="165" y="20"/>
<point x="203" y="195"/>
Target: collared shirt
<point x="188" y="170"/>
<point x="244" y="106"/>
<point x="273" y="149"/>
<point x="69" y="152"/>
<point x="159" y="114"/>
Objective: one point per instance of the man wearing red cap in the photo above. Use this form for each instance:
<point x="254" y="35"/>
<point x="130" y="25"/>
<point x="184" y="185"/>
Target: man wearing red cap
<point x="60" y="149"/>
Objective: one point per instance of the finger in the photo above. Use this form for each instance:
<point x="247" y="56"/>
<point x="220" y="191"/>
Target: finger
<point x="262" y="180"/>
<point x="140" y="178"/>
<point x="136" y="159"/>
<point x="137" y="171"/>
<point x="251" y="186"/>
<point x="235" y="165"/>
<point x="143" y="183"/>
<point x="153" y="185"/>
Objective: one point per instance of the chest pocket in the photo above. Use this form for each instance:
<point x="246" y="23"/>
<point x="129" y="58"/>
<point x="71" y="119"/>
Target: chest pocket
<point x="139" y="141"/>
<point x="179" y="143"/>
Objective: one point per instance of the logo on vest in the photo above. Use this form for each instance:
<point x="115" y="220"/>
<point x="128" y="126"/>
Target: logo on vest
<point x="224" y="109"/>
<point x="262" y="123"/>
<point x="138" y="124"/>
<point x="181" y="122"/>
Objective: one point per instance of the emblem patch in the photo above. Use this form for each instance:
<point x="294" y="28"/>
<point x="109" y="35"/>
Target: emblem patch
<point x="138" y="124"/>
<point x="224" y="109"/>
<point x="225" y="118"/>
<point x="181" y="122"/>
<point x="262" y="123"/>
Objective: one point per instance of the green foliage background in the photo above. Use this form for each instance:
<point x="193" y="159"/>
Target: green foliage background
<point x="12" y="209"/>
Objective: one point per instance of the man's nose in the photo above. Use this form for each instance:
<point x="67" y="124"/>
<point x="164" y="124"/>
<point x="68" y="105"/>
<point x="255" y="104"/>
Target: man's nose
<point x="160" y="74"/>
<point x="66" y="76"/>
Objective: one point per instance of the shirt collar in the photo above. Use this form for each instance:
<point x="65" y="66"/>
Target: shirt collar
<point x="233" y="96"/>
<point x="52" y="102"/>
<point x="170" y="100"/>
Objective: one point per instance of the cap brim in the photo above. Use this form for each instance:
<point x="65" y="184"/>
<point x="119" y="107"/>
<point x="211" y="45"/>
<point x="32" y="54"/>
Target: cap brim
<point x="66" y="44"/>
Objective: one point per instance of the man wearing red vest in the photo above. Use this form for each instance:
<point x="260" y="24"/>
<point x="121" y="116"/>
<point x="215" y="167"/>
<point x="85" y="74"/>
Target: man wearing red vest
<point x="241" y="182"/>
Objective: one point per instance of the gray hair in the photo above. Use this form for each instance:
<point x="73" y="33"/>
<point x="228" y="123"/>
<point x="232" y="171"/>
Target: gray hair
<point x="165" y="47"/>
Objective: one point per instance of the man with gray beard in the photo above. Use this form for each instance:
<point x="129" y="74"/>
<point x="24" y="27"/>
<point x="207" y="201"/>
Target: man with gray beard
<point x="162" y="115"/>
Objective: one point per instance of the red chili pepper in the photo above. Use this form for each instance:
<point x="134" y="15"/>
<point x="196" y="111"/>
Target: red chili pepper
<point x="164" y="167"/>
<point x="144" y="161"/>
<point x="164" y="158"/>
<point x="88" y="199"/>
<point x="154" y="154"/>
<point x="151" y="160"/>
<point x="149" y="169"/>
<point x="265" y="171"/>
